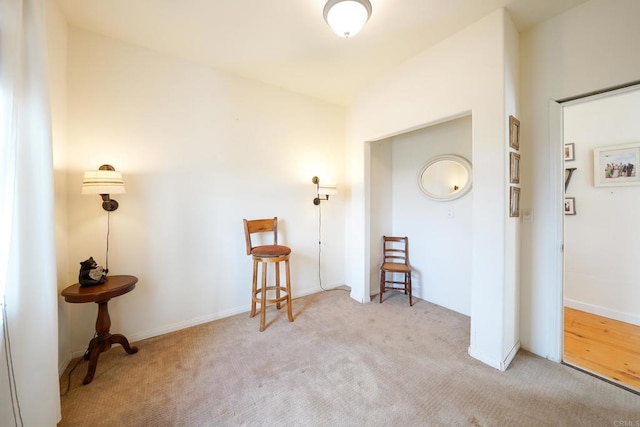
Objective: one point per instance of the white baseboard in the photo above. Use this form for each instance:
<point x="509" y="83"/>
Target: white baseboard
<point x="483" y="358"/>
<point x="362" y="299"/>
<point x="621" y="316"/>
<point x="178" y="326"/>
<point x="500" y="365"/>
<point x="512" y="354"/>
<point x="189" y="323"/>
<point x="63" y="365"/>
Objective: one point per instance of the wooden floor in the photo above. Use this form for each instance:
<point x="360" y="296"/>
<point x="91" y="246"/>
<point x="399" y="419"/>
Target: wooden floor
<point x="603" y="346"/>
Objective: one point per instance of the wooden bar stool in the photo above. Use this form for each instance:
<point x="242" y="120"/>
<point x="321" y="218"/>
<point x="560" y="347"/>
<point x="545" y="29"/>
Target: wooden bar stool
<point x="264" y="255"/>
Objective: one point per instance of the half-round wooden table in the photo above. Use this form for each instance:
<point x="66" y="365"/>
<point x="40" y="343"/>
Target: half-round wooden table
<point x="113" y="286"/>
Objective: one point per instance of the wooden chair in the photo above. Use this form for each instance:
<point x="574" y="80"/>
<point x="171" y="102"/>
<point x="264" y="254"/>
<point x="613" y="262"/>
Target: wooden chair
<point x="395" y="260"/>
<point x="264" y="255"/>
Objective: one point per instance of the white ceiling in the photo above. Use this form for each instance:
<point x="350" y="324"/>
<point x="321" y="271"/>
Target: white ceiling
<point x="286" y="42"/>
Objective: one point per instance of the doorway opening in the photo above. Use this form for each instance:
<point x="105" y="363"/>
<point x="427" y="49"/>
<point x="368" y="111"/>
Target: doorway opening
<point x="601" y="328"/>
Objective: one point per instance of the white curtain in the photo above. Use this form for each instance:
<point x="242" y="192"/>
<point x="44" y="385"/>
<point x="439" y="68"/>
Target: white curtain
<point x="29" y="391"/>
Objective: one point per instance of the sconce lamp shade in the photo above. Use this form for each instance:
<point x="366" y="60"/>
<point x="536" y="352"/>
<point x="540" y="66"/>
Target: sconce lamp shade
<point x="323" y="191"/>
<point x="327" y="190"/>
<point x="103" y="181"/>
<point x="347" y="17"/>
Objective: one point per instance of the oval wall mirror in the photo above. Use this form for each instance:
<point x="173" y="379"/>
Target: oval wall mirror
<point x="445" y="177"/>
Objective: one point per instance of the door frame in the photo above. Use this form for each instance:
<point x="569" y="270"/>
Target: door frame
<point x="556" y="179"/>
<point x="556" y="138"/>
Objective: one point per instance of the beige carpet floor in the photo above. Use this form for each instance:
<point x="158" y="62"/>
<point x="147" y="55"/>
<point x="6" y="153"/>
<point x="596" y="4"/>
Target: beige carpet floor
<point x="340" y="363"/>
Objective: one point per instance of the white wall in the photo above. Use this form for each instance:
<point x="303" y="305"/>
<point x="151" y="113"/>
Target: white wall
<point x="382" y="209"/>
<point x="199" y="151"/>
<point x="511" y="307"/>
<point x="601" y="251"/>
<point x="57" y="56"/>
<point x="436" y="241"/>
<point x="463" y="73"/>
<point x="590" y="47"/>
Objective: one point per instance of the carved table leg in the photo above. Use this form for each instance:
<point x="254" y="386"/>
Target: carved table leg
<point x="103" y="341"/>
<point x="92" y="344"/>
<point x="124" y="342"/>
<point x="93" y="362"/>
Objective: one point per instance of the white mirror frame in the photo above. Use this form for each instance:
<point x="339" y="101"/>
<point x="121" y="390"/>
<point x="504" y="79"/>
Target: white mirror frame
<point x="464" y="188"/>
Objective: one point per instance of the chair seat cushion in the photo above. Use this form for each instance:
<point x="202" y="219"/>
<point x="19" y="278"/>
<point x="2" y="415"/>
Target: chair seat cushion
<point x="395" y="267"/>
<point x="270" y="250"/>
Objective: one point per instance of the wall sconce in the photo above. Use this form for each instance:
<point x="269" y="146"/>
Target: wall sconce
<point x="105" y="181"/>
<point x="323" y="191"/>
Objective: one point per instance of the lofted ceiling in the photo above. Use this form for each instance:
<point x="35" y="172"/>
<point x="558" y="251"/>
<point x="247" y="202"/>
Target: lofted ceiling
<point x="287" y="43"/>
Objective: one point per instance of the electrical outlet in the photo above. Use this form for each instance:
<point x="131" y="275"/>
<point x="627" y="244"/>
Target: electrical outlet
<point x="450" y="214"/>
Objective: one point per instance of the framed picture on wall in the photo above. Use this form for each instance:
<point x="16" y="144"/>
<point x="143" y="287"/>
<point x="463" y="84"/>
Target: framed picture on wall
<point x="514" y="202"/>
<point x="514" y="133"/>
<point x="569" y="205"/>
<point x="569" y="152"/>
<point x="514" y="168"/>
<point x="616" y="165"/>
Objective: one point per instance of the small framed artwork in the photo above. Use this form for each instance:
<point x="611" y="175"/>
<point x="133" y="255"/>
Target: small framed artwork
<point x="514" y="202"/>
<point x="569" y="205"/>
<point x="616" y="165"/>
<point x="569" y="152"/>
<point x="514" y="133"/>
<point x="514" y="168"/>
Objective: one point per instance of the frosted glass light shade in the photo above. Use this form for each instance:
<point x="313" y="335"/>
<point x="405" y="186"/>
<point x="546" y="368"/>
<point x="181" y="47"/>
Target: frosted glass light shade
<point x="103" y="182"/>
<point x="327" y="190"/>
<point x="347" y="17"/>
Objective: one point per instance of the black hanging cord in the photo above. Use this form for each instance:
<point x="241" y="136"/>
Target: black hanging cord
<point x="85" y="356"/>
<point x="13" y="389"/>
<point x="69" y="377"/>
<point x="320" y="246"/>
<point x="106" y="256"/>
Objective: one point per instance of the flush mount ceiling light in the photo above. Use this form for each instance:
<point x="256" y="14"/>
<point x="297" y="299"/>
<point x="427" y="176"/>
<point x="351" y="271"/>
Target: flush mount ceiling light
<point x="347" y="17"/>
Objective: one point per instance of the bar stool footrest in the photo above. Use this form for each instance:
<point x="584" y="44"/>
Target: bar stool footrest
<point x="283" y="290"/>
